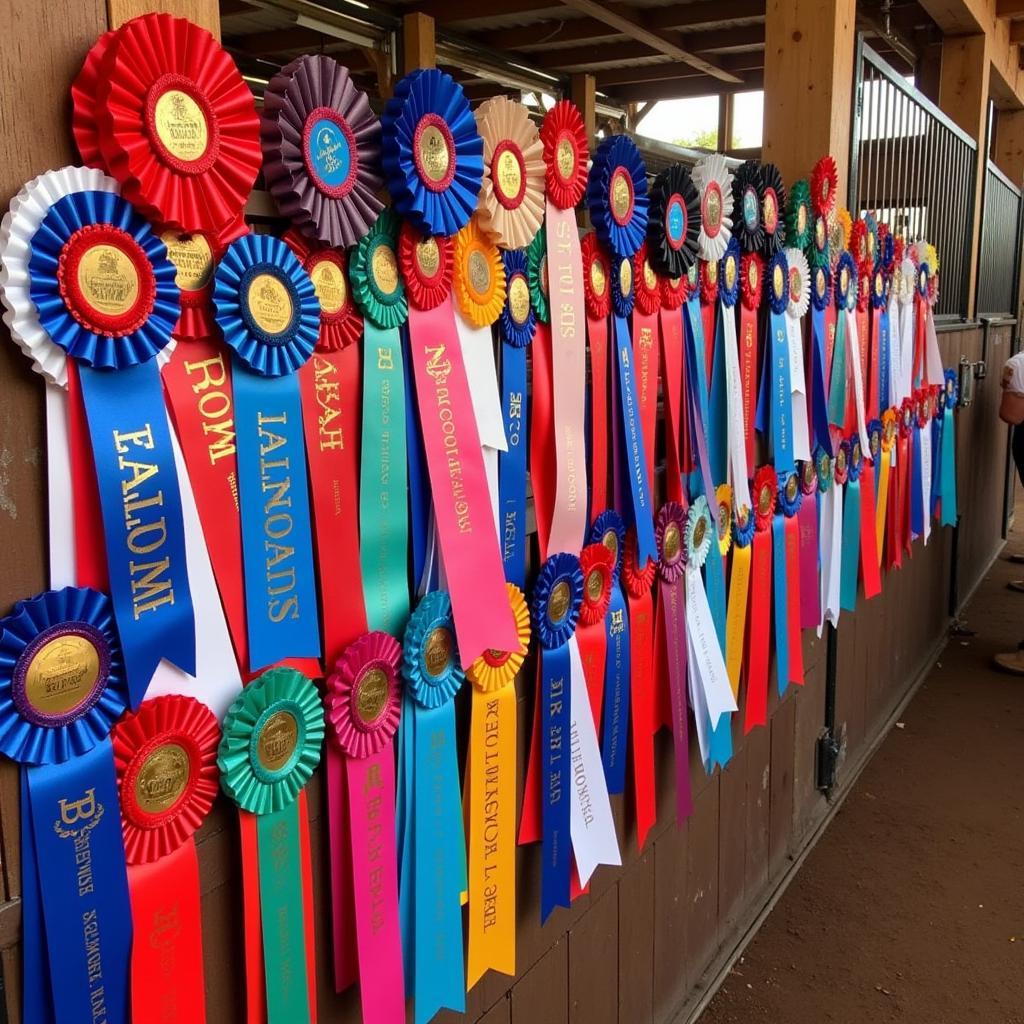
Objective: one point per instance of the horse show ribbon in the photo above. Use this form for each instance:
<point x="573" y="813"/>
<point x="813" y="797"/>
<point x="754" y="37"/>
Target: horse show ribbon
<point x="433" y="823"/>
<point x="947" y="462"/>
<point x="765" y="497"/>
<point x="565" y="153"/>
<point x="647" y="348"/>
<point x="362" y="709"/>
<point x="736" y="432"/>
<point x="64" y="686"/>
<point x="491" y="778"/>
<point x="166" y="759"/>
<point x="597" y="563"/>
<point x="821" y="308"/>
<point x="270" y="747"/>
<point x="870" y="575"/>
<point x="269" y="313"/>
<point x="849" y="463"/>
<point x="542" y="463"/>
<point x="799" y="298"/>
<point x="597" y="295"/>
<point x="739" y="590"/>
<point x="830" y="531"/>
<point x="809" y="551"/>
<point x="775" y="403"/>
<point x="751" y="285"/>
<point x="886" y="481"/>
<point x="788" y="584"/>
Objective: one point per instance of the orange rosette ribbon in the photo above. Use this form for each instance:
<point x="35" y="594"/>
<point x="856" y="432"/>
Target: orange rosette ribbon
<point x="479" y="277"/>
<point x="511" y="206"/>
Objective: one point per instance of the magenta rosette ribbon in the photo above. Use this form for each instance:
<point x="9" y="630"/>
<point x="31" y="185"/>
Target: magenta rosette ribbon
<point x="321" y="150"/>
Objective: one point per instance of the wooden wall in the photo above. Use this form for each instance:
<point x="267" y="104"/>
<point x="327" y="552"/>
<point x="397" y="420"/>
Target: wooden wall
<point x="642" y="942"/>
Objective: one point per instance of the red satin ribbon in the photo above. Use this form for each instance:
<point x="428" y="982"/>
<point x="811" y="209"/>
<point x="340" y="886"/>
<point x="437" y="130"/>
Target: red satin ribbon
<point x="90" y="551"/>
<point x="167" y="952"/>
<point x="869" y="571"/>
<point x="672" y="376"/>
<point x="757" y="636"/>
<point x="793" y="631"/>
<point x="641" y="653"/>
<point x="542" y="424"/>
<point x="593" y="645"/>
<point x="748" y="374"/>
<point x="597" y="332"/>
<point x="707" y="313"/>
<point x="646" y="356"/>
<point x="255" y="984"/>
<point x="530" y="820"/>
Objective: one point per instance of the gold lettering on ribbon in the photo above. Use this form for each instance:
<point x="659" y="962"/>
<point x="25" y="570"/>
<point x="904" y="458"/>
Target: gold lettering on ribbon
<point x="275" y="482"/>
<point x="214" y="405"/>
<point x="557" y="694"/>
<point x="439" y="368"/>
<point x="145" y="536"/>
<point x="327" y="389"/>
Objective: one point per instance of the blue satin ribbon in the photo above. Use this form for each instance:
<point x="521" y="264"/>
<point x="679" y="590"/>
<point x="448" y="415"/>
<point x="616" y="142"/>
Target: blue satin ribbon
<point x="781" y="609"/>
<point x="781" y="397"/>
<point x="837" y="387"/>
<point x="947" y="469"/>
<point x="36" y="1001"/>
<point x="700" y="481"/>
<point x="936" y="482"/>
<point x="884" y="355"/>
<point x="616" y="691"/>
<point x="512" y="464"/>
<point x="404" y="838"/>
<point x="851" y="546"/>
<point x="634" y="450"/>
<point x="720" y="744"/>
<point x="718" y="419"/>
<point x="74" y="816"/>
<point x="916" y="497"/>
<point x="555" y="727"/>
<point x="141" y="508"/>
<point x="819" y="400"/>
<point x="277" y="544"/>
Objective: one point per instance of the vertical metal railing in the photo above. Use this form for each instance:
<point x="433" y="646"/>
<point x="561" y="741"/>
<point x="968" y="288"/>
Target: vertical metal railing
<point x="998" y="260"/>
<point x="916" y="169"/>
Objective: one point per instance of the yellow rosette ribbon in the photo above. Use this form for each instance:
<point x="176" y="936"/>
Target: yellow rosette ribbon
<point x="491" y="802"/>
<point x="479" y="280"/>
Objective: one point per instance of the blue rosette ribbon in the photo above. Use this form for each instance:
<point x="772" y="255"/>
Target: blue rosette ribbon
<point x="62" y="687"/>
<point x="517" y="323"/>
<point x="433" y="871"/>
<point x="554" y="610"/>
<point x="775" y="401"/>
<point x="269" y="314"/>
<point x="729" y="274"/>
<point x="105" y="292"/>
<point x="432" y="152"/>
<point x="617" y="195"/>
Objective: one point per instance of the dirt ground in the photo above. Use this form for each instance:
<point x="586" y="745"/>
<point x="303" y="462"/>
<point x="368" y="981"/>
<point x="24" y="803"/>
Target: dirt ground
<point x="911" y="907"/>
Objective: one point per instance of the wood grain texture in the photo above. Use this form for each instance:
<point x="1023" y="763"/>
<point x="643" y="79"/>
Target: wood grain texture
<point x="636" y="942"/>
<point x="594" y="963"/>
<point x="202" y="12"/>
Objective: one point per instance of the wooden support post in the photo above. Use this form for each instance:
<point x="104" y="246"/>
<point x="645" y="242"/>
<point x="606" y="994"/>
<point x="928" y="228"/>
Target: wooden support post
<point x="963" y="95"/>
<point x="418" y="42"/>
<point x="202" y="12"/>
<point x="583" y="93"/>
<point x="1009" y="148"/>
<point x="808" y="84"/>
<point x="725" y="121"/>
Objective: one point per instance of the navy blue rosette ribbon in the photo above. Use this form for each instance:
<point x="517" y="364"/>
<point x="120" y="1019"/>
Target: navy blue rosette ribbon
<point x="617" y="195"/>
<point x="433" y="154"/>
<point x="62" y="687"/>
<point x="433" y="869"/>
<point x="555" y="609"/>
<point x="775" y="402"/>
<point x="516" y="324"/>
<point x="610" y="530"/>
<point x="639" y="499"/>
<point x="269" y="314"/>
<point x="105" y="292"/>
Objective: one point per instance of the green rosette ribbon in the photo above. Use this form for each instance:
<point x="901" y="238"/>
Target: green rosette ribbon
<point x="537" y="264"/>
<point x="270" y="746"/>
<point x="377" y="285"/>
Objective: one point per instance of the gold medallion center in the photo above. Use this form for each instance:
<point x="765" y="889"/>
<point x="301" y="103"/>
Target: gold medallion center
<point x="108" y="280"/>
<point x="438" y="651"/>
<point x="277" y="740"/>
<point x="192" y="258"/>
<point x="181" y="125"/>
<point x="434" y="155"/>
<point x="162" y="778"/>
<point x="62" y="674"/>
<point x="270" y="303"/>
<point x="329" y="285"/>
<point x="371" y="695"/>
<point x="384" y="268"/>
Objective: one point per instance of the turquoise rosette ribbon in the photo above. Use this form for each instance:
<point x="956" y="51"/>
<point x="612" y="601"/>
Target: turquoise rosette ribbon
<point x="270" y="746"/>
<point x="62" y="687"/>
<point x="118" y="311"/>
<point x="377" y="286"/>
<point x="617" y="195"/>
<point x="537" y="261"/>
<point x="432" y="850"/>
<point x="266" y="306"/>
<point x="554" y="611"/>
<point x="433" y="154"/>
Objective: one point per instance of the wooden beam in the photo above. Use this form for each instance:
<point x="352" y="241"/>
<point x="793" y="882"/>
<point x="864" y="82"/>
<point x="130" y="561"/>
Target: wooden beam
<point x="583" y="93"/>
<point x="202" y="12"/>
<point x="706" y="14"/>
<point x="418" y="42"/>
<point x="1009" y="146"/>
<point x="683" y="88"/>
<point x="1009" y="8"/>
<point x="1017" y="32"/>
<point x="280" y="40"/>
<point x="669" y="70"/>
<point x="808" y="90"/>
<point x="630" y="23"/>
<point x="448" y="12"/>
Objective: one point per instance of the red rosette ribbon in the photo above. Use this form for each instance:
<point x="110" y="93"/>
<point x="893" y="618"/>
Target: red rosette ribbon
<point x="863" y="292"/>
<point x="766" y="494"/>
<point x="637" y="581"/>
<point x="340" y="322"/>
<point x="362" y="700"/>
<point x="597" y="563"/>
<point x="83" y="102"/>
<point x="708" y="281"/>
<point x="564" y="136"/>
<point x="824" y="181"/>
<point x="177" y="124"/>
<point x="859" y="247"/>
<point x="646" y="283"/>
<point x="596" y="277"/>
<point x="165" y="755"/>
<point x="427" y="264"/>
<point x="674" y="292"/>
<point x="899" y="249"/>
<point x="751" y="279"/>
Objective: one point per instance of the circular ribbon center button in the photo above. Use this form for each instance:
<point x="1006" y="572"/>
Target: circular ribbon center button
<point x="519" y="299"/>
<point x="675" y="222"/>
<point x="558" y="603"/>
<point x="329" y="285"/>
<point x="277" y="741"/>
<point x="434" y="152"/>
<point x="672" y="542"/>
<point x="192" y="258"/>
<point x="181" y="125"/>
<point x="621" y="195"/>
<point x="162" y="779"/>
<point x="329" y="152"/>
<point x="437" y="653"/>
<point x="479" y="273"/>
<point x="384" y="268"/>
<point x="371" y="695"/>
<point x="270" y="304"/>
<point x="61" y="676"/>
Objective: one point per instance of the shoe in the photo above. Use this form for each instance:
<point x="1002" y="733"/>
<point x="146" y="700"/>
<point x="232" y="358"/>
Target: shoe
<point x="1012" y="662"/>
<point x="1017" y="585"/>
